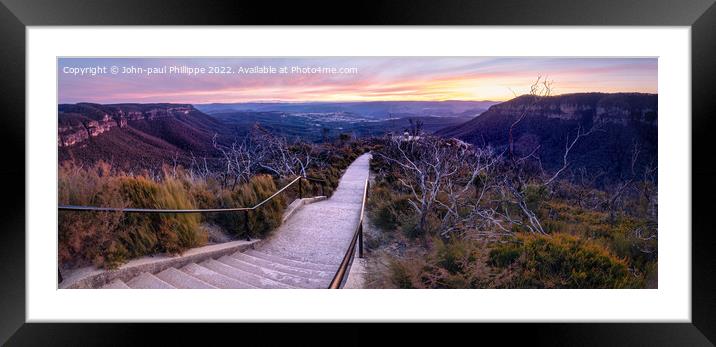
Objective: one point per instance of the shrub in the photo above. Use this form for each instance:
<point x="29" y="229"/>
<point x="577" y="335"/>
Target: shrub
<point x="623" y="240"/>
<point x="619" y="236"/>
<point x="504" y="255"/>
<point x="203" y="194"/>
<point x="454" y="256"/>
<point x="534" y="195"/>
<point x="563" y="261"/>
<point x="87" y="237"/>
<point x="260" y="221"/>
<point x="143" y="234"/>
<point x="390" y="210"/>
<point x="401" y="275"/>
<point x="109" y="239"/>
<point x="451" y="264"/>
<point x="178" y="232"/>
<point x="268" y="217"/>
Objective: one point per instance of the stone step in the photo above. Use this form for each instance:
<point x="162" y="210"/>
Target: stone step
<point x="278" y="276"/>
<point x="292" y="262"/>
<point x="145" y="280"/>
<point x="116" y="284"/>
<point x="323" y="252"/>
<point x="347" y="198"/>
<point x="214" y="278"/>
<point x="182" y="280"/>
<point x="327" y="255"/>
<point x="298" y="271"/>
<point x="243" y="276"/>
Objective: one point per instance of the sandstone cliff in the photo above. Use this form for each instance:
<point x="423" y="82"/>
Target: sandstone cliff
<point x="78" y="122"/>
<point x="623" y="119"/>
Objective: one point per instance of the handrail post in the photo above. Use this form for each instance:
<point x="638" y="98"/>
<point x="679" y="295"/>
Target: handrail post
<point x="360" y="240"/>
<point x="246" y="226"/>
<point x="360" y="230"/>
<point x="300" y="187"/>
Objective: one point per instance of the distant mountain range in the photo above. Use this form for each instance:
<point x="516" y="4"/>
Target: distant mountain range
<point x="380" y="110"/>
<point x="311" y="120"/>
<point x="147" y="135"/>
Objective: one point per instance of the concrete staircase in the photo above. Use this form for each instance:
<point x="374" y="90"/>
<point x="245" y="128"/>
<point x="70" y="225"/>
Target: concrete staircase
<point x="304" y="252"/>
<point x="252" y="269"/>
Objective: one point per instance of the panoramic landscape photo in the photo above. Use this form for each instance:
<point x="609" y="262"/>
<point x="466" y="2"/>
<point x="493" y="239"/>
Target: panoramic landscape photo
<point x="357" y="172"/>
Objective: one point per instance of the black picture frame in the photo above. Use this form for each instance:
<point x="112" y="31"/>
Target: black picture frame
<point x="16" y="15"/>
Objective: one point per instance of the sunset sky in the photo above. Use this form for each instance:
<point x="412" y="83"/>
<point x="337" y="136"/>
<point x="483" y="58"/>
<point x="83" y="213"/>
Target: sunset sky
<point x="377" y="78"/>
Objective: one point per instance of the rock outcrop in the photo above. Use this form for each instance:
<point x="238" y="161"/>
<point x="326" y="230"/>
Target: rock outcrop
<point x="620" y="108"/>
<point x="78" y="122"/>
<point x="623" y="120"/>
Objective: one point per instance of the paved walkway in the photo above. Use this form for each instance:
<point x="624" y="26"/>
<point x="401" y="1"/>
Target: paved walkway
<point x="320" y="232"/>
<point x="304" y="252"/>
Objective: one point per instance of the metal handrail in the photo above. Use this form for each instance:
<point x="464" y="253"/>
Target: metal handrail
<point x="340" y="275"/>
<point x="206" y="210"/>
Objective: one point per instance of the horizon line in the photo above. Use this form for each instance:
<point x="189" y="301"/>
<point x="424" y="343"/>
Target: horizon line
<point x="335" y="101"/>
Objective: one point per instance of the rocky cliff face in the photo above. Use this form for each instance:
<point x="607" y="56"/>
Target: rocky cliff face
<point x="79" y="122"/>
<point x="623" y="120"/>
<point x="138" y="136"/>
<point x="619" y="108"/>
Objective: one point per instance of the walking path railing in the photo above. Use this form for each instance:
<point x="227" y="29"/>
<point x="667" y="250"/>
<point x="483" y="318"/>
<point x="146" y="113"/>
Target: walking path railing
<point x="246" y="210"/>
<point x="340" y="277"/>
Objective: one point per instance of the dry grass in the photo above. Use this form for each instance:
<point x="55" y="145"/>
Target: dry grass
<point x="110" y="239"/>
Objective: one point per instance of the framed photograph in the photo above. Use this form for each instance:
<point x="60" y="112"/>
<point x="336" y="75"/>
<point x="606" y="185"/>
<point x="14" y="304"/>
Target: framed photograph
<point x="472" y="163"/>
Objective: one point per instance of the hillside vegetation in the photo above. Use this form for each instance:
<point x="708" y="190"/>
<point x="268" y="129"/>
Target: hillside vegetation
<point x="538" y="192"/>
<point x="463" y="217"/>
<point x="252" y="173"/>
<point x="497" y="213"/>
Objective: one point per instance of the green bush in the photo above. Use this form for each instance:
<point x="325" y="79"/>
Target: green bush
<point x="532" y="261"/>
<point x="619" y="236"/>
<point x="534" y="195"/>
<point x="260" y="221"/>
<point x="400" y="275"/>
<point x="449" y="264"/>
<point x="563" y="261"/>
<point x="504" y="255"/>
<point x="390" y="210"/>
<point x="454" y="256"/>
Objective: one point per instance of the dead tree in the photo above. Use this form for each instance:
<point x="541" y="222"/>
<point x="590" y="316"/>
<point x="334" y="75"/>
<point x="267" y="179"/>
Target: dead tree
<point x="518" y="171"/>
<point x="621" y="188"/>
<point x="424" y="167"/>
<point x="261" y="151"/>
<point x="568" y="145"/>
<point x="240" y="161"/>
<point x="540" y="89"/>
